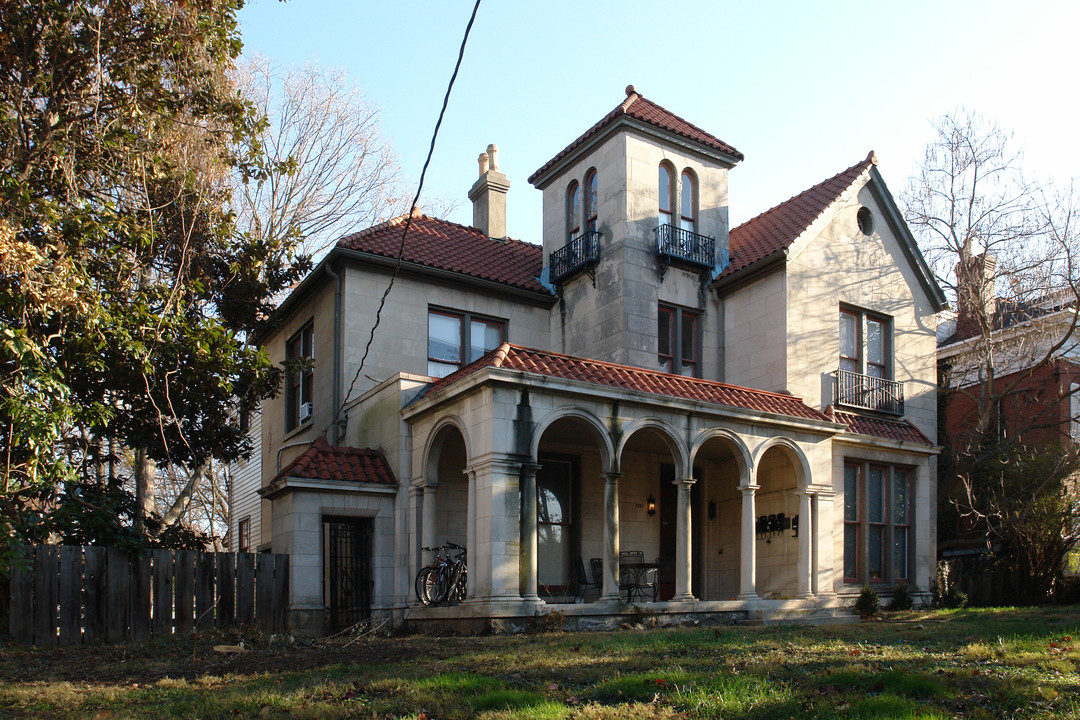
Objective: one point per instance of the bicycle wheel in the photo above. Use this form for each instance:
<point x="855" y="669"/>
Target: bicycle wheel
<point x="436" y="586"/>
<point x="421" y="585"/>
<point x="461" y="584"/>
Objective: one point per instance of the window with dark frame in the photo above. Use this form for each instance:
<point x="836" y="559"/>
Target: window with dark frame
<point x="667" y="194"/>
<point x="688" y="202"/>
<point x="877" y="523"/>
<point x="679" y="340"/>
<point x="573" y="206"/>
<point x="300" y="354"/>
<point x="243" y="535"/>
<point x="591" y="201"/>
<point x="865" y="342"/>
<point x="457" y="338"/>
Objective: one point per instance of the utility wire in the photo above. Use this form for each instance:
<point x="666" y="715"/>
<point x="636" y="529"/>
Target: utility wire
<point x="408" y="220"/>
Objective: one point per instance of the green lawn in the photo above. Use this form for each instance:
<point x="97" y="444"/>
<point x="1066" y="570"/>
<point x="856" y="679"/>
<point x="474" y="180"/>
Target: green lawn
<point x="914" y="666"/>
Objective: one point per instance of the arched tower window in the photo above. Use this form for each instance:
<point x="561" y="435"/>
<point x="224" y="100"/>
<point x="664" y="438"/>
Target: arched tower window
<point x="573" y="205"/>
<point x="590" y="201"/>
<point x="667" y="194"/>
<point x="688" y="204"/>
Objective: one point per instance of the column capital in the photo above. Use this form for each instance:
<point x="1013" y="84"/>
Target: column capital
<point x="685" y="482"/>
<point x="530" y="467"/>
<point x="611" y="477"/>
<point x="498" y="463"/>
<point x="748" y="489"/>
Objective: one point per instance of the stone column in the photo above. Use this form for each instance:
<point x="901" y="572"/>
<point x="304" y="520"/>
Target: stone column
<point x="528" y="532"/>
<point x="416" y="493"/>
<point x="748" y="545"/>
<point x="470" y="530"/>
<point x="429" y="526"/>
<point x="611" y="537"/>
<point x="496" y="559"/>
<point x="683" y="546"/>
<point x="822" y="543"/>
<point x="806" y="532"/>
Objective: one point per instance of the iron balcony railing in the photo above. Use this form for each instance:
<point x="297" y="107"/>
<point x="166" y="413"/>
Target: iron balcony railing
<point x="581" y="252"/>
<point x="873" y="393"/>
<point x="679" y="244"/>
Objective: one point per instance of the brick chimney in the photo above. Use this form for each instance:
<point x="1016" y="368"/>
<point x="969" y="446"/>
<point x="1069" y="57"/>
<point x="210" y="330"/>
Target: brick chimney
<point x="488" y="195"/>
<point x="976" y="301"/>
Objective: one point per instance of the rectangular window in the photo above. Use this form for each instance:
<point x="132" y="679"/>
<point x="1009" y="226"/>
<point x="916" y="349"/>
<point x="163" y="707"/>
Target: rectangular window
<point x="243" y="535"/>
<point x="865" y="343"/>
<point x="877" y="523"/>
<point x="852" y="516"/>
<point x="300" y="358"/>
<point x="456" y="339"/>
<point x="678" y="335"/>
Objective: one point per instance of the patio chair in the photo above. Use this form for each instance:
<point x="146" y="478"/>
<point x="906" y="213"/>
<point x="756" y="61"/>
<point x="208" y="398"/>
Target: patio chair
<point x="583" y="580"/>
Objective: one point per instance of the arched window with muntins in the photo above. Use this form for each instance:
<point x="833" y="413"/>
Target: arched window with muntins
<point x="688" y="204"/>
<point x="590" y="201"/>
<point x="573" y="205"/>
<point x="667" y="195"/>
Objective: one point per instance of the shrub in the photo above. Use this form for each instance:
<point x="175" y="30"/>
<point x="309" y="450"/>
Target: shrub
<point x="867" y="604"/>
<point x="901" y="598"/>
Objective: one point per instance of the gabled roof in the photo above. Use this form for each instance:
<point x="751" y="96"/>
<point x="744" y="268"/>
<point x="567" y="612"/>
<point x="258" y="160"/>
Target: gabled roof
<point x="900" y="430"/>
<point x="321" y="461"/>
<point x="636" y="107"/>
<point x="456" y="248"/>
<point x="568" y="367"/>
<point x="776" y="229"/>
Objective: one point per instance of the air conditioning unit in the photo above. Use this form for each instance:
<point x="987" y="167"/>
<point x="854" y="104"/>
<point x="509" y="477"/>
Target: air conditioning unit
<point x="305" y="411"/>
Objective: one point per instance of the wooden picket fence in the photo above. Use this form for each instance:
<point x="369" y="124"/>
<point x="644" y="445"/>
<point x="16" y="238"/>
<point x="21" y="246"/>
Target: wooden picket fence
<point x="70" y="595"/>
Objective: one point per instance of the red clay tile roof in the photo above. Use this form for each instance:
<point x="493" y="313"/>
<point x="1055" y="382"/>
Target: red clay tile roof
<point x="775" y="229"/>
<point x="879" y="427"/>
<point x="448" y="246"/>
<point x="636" y="106"/>
<point x="323" y="462"/>
<point x="568" y="367"/>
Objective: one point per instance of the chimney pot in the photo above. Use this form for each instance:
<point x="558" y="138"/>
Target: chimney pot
<point x="488" y="195"/>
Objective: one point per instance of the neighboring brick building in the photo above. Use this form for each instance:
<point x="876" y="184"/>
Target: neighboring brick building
<point x="753" y="409"/>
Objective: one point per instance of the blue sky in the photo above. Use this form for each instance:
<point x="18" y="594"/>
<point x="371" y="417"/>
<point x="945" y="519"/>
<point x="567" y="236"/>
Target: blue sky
<point x="803" y="89"/>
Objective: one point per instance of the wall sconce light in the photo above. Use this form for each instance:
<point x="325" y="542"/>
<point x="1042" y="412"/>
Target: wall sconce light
<point x="712" y="509"/>
<point x="650" y="506"/>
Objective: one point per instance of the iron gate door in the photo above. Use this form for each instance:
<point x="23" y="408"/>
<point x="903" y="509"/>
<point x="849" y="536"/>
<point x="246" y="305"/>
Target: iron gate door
<point x="347" y="571"/>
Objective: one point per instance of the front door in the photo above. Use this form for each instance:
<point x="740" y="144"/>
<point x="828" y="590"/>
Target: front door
<point x="554" y="525"/>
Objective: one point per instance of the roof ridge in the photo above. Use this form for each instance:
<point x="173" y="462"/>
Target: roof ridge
<point x="399" y="219"/>
<point x="868" y="161"/>
<point x="605" y="363"/>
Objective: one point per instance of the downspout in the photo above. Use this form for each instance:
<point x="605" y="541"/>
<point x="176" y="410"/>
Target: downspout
<point x="336" y="432"/>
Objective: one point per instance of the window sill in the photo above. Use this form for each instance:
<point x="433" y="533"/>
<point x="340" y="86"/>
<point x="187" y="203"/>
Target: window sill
<point x="301" y="428"/>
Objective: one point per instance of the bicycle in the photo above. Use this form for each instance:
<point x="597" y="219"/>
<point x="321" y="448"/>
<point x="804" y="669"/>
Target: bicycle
<point x="445" y="579"/>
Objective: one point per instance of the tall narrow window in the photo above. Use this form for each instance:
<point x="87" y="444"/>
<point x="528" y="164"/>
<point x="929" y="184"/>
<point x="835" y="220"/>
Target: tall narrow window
<point x="901" y="517"/>
<point x="456" y="338"/>
<point x="554" y="523"/>
<point x="852" y="516"/>
<point x="688" y="202"/>
<point x="667" y="195"/>
<point x="573" y="207"/>
<point x="678" y="340"/>
<point x="590" y="201"/>
<point x="875" y="347"/>
<point x="299" y="356"/>
<point x="849" y="341"/>
<point x="875" y="518"/>
<point x="243" y="535"/>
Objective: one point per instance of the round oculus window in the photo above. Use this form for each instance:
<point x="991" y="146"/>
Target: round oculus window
<point x="866" y="220"/>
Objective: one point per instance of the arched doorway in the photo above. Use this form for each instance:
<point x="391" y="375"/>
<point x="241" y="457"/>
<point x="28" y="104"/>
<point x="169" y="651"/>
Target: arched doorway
<point x="572" y="456"/>
<point x="720" y="466"/>
<point x="777" y="507"/>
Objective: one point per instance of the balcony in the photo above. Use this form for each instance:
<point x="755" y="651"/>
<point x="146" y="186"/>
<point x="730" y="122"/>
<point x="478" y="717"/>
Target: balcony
<point x="581" y="253"/>
<point x="870" y="393"/>
<point x="678" y="245"/>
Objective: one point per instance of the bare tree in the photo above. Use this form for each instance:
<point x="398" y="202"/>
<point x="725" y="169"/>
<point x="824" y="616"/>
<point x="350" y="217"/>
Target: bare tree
<point x="1005" y="248"/>
<point x="330" y="169"/>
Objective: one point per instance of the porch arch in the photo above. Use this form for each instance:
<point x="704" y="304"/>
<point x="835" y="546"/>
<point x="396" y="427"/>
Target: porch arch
<point x="446" y="492"/>
<point x="786" y="527"/>
<point x="602" y="436"/>
<point x="679" y="452"/>
<point x="435" y="440"/>
<point x="794" y="453"/>
<point x="743" y="458"/>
